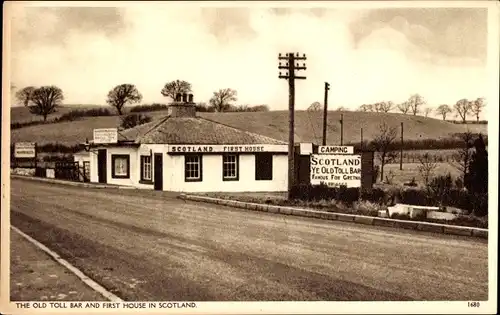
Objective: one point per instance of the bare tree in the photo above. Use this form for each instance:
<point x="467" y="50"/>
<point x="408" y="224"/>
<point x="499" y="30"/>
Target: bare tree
<point x="416" y="101"/>
<point x="385" y="107"/>
<point x="426" y="167"/>
<point x="477" y="107"/>
<point x="123" y="94"/>
<point x="443" y="110"/>
<point x="221" y="100"/>
<point x="342" y="109"/>
<point x="427" y="111"/>
<point x="45" y="100"/>
<point x="463" y="156"/>
<point x="24" y="95"/>
<point x="366" y="108"/>
<point x="462" y="107"/>
<point x="171" y="89"/>
<point x="316" y="106"/>
<point x="383" y="143"/>
<point x="404" y="107"/>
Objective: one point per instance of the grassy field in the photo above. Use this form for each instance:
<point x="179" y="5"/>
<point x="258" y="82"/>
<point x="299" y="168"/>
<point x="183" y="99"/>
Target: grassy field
<point x="410" y="171"/>
<point x="274" y="124"/>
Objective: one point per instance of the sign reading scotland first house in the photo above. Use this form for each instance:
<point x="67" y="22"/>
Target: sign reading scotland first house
<point x="24" y="150"/>
<point x="336" y="170"/>
<point x="106" y="135"/>
<point x="221" y="148"/>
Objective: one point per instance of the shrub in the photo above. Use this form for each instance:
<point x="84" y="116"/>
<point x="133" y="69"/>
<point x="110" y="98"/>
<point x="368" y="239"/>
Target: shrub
<point x="415" y="197"/>
<point x="148" y="108"/>
<point x="133" y="120"/>
<point x="480" y="206"/>
<point x="77" y="114"/>
<point x="377" y="196"/>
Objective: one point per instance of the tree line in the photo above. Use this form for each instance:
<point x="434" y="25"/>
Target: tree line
<point x="45" y="100"/>
<point x="417" y="105"/>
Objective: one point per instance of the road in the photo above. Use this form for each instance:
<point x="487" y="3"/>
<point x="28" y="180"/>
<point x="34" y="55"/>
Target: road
<point x="147" y="245"/>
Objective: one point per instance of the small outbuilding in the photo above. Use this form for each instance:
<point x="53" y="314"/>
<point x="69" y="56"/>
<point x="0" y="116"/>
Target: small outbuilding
<point x="186" y="153"/>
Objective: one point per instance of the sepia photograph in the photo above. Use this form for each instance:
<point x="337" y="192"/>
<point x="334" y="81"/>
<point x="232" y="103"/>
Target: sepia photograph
<point x="250" y="157"/>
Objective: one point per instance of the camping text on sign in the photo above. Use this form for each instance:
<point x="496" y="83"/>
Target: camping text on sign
<point x="336" y="170"/>
<point x="106" y="135"/>
<point x="249" y="148"/>
<point x="25" y="150"/>
<point x="335" y="149"/>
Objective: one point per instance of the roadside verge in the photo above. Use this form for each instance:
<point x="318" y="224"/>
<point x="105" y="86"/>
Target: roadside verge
<point x="367" y="220"/>
<point x="59" y="269"/>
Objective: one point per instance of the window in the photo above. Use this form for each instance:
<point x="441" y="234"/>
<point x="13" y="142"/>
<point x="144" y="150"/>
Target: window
<point x="192" y="168"/>
<point x="230" y="167"/>
<point x="263" y="166"/>
<point x="120" y="166"/>
<point x="146" y="168"/>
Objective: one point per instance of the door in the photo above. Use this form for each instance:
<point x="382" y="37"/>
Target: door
<point x="158" y="171"/>
<point x="101" y="165"/>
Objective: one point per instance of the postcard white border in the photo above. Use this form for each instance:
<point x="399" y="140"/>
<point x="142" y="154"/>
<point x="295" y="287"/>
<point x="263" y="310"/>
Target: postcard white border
<point x="285" y="307"/>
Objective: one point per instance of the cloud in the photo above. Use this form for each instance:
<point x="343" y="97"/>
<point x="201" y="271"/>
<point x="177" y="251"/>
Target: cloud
<point x="364" y="58"/>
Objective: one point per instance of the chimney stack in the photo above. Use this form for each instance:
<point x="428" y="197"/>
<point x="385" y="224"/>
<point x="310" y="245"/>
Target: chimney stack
<point x="183" y="107"/>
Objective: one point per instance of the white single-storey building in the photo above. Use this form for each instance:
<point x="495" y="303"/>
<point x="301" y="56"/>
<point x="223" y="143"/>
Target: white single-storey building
<point x="186" y="153"/>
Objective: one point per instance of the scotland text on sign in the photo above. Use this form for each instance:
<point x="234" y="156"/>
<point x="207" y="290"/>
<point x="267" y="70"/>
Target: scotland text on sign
<point x="24" y="150"/>
<point x="335" y="149"/>
<point x="249" y="148"/>
<point x="336" y="170"/>
<point x="106" y="135"/>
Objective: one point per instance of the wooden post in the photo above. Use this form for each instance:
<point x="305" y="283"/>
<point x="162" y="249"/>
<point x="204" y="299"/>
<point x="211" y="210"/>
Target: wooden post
<point x="325" y="111"/>
<point x="401" y="157"/>
<point x="291" y="77"/>
<point x="362" y="145"/>
<point x="341" y="129"/>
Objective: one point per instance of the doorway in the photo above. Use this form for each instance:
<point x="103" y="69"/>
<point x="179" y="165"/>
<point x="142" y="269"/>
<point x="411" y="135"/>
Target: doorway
<point x="158" y="171"/>
<point x="101" y="165"/>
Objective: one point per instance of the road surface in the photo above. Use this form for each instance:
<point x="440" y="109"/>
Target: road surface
<point x="147" y="245"/>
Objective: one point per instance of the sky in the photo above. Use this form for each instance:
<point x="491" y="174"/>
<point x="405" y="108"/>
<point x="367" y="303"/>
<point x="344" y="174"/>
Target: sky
<point x="367" y="55"/>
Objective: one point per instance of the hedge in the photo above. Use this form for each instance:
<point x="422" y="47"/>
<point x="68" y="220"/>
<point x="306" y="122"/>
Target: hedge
<point x="454" y="197"/>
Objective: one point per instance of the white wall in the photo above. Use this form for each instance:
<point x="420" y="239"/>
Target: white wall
<point x="212" y="175"/>
<point x="93" y="166"/>
<point x="173" y="171"/>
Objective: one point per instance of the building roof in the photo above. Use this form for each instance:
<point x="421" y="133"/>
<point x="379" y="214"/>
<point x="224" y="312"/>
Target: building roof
<point x="192" y="130"/>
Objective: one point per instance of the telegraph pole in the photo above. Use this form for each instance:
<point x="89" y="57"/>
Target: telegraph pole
<point x="289" y="75"/>
<point x="401" y="153"/>
<point x="341" y="129"/>
<point x="362" y="146"/>
<point x="325" y="111"/>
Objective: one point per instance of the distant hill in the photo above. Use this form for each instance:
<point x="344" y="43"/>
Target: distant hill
<point x="308" y="125"/>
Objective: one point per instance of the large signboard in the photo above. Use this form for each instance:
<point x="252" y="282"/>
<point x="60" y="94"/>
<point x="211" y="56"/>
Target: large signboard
<point x="335" y="149"/>
<point x="25" y="150"/>
<point x="336" y="170"/>
<point x="249" y="148"/>
<point x="106" y="135"/>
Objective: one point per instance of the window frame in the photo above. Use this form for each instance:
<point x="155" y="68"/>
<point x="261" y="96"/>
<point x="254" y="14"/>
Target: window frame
<point x="200" y="167"/>
<point x="258" y="174"/>
<point x="142" y="164"/>
<point x="237" y="166"/>
<point x="114" y="157"/>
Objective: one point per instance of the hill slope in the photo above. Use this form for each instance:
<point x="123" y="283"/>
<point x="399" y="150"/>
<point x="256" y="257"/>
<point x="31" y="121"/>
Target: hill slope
<point x="274" y="124"/>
